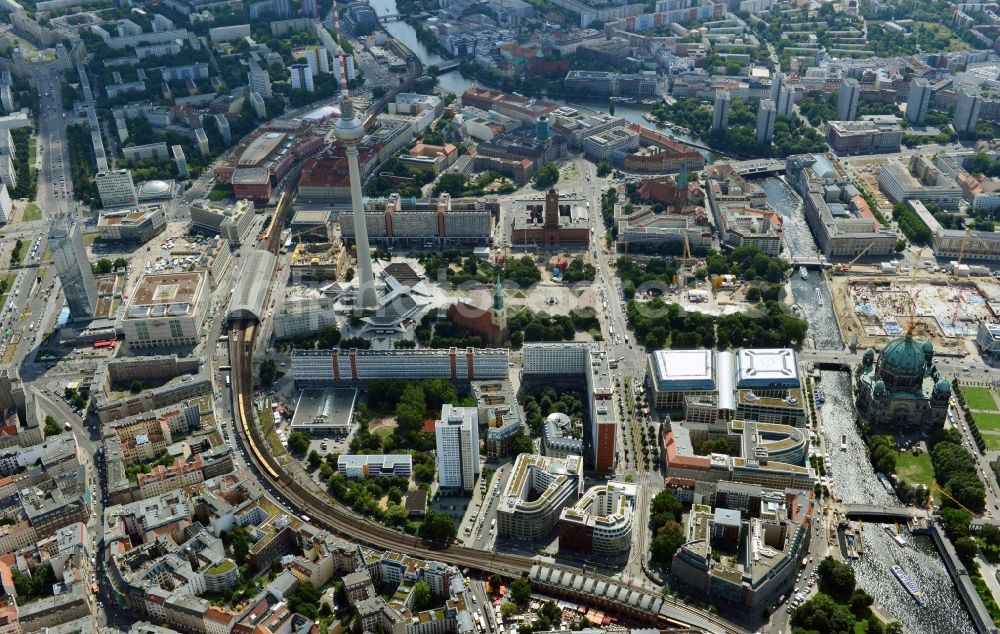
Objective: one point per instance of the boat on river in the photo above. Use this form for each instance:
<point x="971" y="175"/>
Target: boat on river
<point x="894" y="534"/>
<point x="819" y="296"/>
<point x="843" y="442"/>
<point x="819" y="396"/>
<point x="803" y="272"/>
<point x="910" y="585"/>
<point x="886" y="484"/>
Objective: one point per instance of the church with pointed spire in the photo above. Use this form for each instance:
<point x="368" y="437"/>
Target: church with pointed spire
<point x="490" y="324"/>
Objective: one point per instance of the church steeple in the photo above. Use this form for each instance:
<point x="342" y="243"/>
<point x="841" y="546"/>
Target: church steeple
<point x="498" y="294"/>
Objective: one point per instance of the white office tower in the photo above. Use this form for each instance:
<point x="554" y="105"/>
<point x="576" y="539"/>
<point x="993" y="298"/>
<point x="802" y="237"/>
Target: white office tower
<point x="318" y="60"/>
<point x="966" y="112"/>
<point x="918" y="101"/>
<point x="116" y="188"/>
<point x="847" y="100"/>
<point x="70" y="259"/>
<point x="6" y="204"/>
<point x="457" y="435"/>
<point x="302" y="79"/>
<point x="720" y="110"/>
<point x="778" y="83"/>
<point x="766" y="113"/>
<point x="350" y="130"/>
<point x="259" y="80"/>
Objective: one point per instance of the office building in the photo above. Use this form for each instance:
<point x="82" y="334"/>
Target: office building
<point x="350" y="367"/>
<point x="116" y="188"/>
<point x="918" y="100"/>
<point x="302" y="78"/>
<point x="953" y="243"/>
<point x="457" y="435"/>
<point x="375" y="466"/>
<point x="600" y="522"/>
<point x="839" y="217"/>
<point x="921" y="180"/>
<point x="259" y="80"/>
<point x="132" y="225"/>
<point x="966" y="112"/>
<point x="309" y="9"/>
<point x="847" y="100"/>
<point x="535" y="493"/>
<point x="361" y="18"/>
<point x="745" y="561"/>
<point x="988" y="339"/>
<point x="864" y="137"/>
<point x="500" y="412"/>
<point x="234" y="222"/>
<point x="563" y="364"/>
<point x="166" y="310"/>
<point x="69" y="255"/>
<point x="325" y="412"/>
<point x="297" y="316"/>
<point x="6" y="204"/>
<point x="555" y="221"/>
<point x="766" y="114"/>
<point x="8" y="175"/>
<point x="900" y="388"/>
<point x="720" y="110"/>
<point x="416" y="222"/>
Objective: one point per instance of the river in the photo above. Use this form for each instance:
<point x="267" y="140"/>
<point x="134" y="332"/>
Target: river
<point x="454" y="82"/>
<point x="853" y="476"/>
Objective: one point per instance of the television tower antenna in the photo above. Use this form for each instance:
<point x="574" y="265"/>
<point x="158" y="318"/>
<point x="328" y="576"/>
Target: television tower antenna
<point x="349" y="130"/>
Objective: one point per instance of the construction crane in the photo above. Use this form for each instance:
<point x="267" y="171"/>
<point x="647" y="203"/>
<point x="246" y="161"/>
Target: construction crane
<point x="684" y="260"/>
<point x="846" y="268"/>
<point x="961" y="249"/>
<point x="948" y="495"/>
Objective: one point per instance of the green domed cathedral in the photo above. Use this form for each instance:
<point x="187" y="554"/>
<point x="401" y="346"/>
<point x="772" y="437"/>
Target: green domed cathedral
<point x="900" y="388"/>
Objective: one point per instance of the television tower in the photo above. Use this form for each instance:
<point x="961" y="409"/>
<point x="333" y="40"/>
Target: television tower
<point x="349" y="130"/>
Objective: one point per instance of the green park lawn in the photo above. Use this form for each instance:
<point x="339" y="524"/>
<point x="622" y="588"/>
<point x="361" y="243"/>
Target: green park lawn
<point x="31" y="213"/>
<point x="980" y="398"/>
<point x="914" y="469"/>
<point x="987" y="422"/>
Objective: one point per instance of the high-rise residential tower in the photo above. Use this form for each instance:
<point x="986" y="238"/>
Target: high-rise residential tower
<point x="847" y="100"/>
<point x="457" y="437"/>
<point x="720" y="110"/>
<point x="966" y="112"/>
<point x="766" y="114"/>
<point x="918" y="100"/>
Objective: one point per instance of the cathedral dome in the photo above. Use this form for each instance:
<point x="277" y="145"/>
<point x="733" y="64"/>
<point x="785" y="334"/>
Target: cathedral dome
<point x="943" y="386"/>
<point x="903" y="360"/>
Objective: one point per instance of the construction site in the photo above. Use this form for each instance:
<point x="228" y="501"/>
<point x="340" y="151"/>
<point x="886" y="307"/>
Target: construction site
<point x="932" y="305"/>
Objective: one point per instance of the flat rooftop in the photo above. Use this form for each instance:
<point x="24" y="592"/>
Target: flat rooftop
<point x="168" y="288"/>
<point x="684" y="369"/>
<point x="324" y="408"/>
<point x="766" y="367"/>
<point x="260" y="148"/>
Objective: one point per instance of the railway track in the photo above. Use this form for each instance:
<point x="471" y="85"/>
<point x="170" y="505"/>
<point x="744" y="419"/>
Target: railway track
<point x="342" y="521"/>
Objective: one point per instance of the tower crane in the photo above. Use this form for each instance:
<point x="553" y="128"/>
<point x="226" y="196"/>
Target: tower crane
<point x="845" y="268"/>
<point x="948" y="495"/>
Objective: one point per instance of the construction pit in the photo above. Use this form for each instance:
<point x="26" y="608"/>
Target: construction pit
<point x="945" y="311"/>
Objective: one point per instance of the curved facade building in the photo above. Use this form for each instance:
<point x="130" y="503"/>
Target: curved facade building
<point x="600" y="523"/>
<point x="536" y="492"/>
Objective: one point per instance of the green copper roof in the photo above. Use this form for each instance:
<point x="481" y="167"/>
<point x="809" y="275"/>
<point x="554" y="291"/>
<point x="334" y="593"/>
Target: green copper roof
<point x="903" y="357"/>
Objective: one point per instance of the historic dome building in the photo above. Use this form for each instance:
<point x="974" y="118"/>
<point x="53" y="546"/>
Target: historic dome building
<point x="901" y="388"/>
